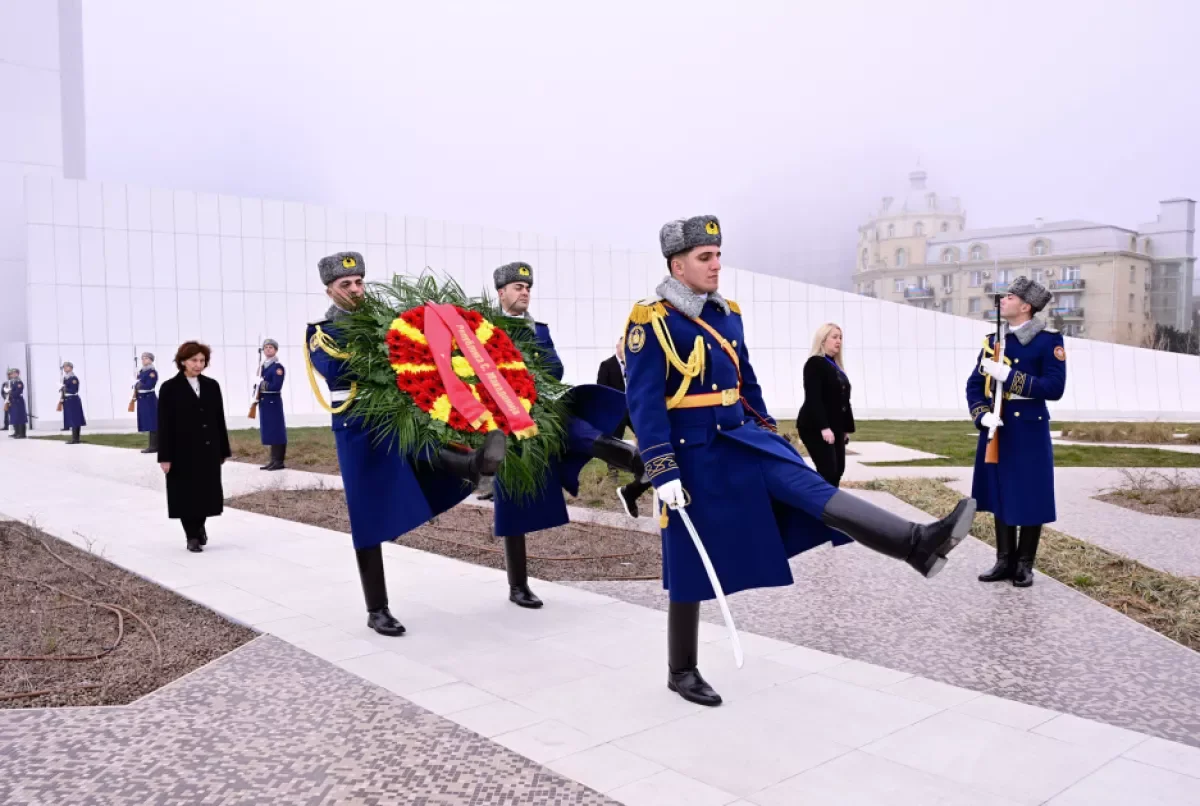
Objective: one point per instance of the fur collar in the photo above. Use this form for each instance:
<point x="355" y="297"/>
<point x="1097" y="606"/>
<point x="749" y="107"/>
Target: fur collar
<point x="1025" y="333"/>
<point x="687" y="301"/>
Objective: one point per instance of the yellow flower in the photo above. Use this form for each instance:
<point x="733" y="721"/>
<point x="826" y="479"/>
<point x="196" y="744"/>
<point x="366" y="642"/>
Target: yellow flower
<point x="512" y="365"/>
<point x="402" y="369"/>
<point x="408" y="331"/>
<point x="441" y="409"/>
<point x="527" y="403"/>
<point x="462" y="367"/>
<point x="484" y="331"/>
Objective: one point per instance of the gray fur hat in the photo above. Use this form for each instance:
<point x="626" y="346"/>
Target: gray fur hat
<point x="270" y="343"/>
<point x="688" y="233"/>
<point x="1030" y="291"/>
<point x="513" y="273"/>
<point x="66" y="364"/>
<point x="148" y="355"/>
<point x="341" y="264"/>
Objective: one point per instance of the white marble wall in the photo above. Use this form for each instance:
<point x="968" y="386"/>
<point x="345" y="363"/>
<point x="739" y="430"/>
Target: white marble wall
<point x="115" y="269"/>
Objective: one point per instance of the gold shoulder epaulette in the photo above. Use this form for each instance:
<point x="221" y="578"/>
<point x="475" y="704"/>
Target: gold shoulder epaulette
<point x="733" y="306"/>
<point x="646" y="311"/>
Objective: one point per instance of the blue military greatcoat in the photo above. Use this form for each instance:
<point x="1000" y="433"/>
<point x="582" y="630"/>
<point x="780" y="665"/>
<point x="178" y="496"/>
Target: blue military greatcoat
<point x="594" y="410"/>
<point x="753" y="500"/>
<point x="272" y="428"/>
<point x="17" y="413"/>
<point x="387" y="492"/>
<point x="147" y="399"/>
<point x="72" y="405"/>
<point x="1019" y="490"/>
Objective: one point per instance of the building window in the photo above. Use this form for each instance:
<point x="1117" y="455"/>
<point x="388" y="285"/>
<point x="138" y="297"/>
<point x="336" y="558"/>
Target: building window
<point x="973" y="305"/>
<point x="1071" y="272"/>
<point x="1132" y="302"/>
<point x="1132" y="243"/>
<point x="976" y="279"/>
<point x="976" y="252"/>
<point x="947" y="282"/>
<point x="931" y="200"/>
<point x="918" y="228"/>
<point x="898" y="285"/>
<point x="945" y="226"/>
<point x="947" y="256"/>
<point x="901" y="258"/>
<point x="864" y="259"/>
<point x="922" y="282"/>
<point x="1038" y="275"/>
<point x="1002" y="276"/>
<point x="1133" y="275"/>
<point x="891" y="230"/>
<point x="1040" y="247"/>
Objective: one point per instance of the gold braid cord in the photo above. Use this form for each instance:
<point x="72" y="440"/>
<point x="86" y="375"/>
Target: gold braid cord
<point x="323" y="341"/>
<point x="655" y="315"/>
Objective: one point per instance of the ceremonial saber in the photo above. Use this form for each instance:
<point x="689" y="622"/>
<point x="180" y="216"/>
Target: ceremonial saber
<point x="716" y="586"/>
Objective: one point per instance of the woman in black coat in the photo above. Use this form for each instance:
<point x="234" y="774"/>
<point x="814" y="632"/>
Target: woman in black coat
<point x="192" y="443"/>
<point x="826" y="419"/>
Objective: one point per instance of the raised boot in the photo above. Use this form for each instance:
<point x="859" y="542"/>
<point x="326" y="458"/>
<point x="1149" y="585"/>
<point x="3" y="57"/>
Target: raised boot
<point x="1026" y="554"/>
<point x="619" y="454"/>
<point x="374" y="585"/>
<point x="151" y="443"/>
<point x="517" y="565"/>
<point x="683" y="641"/>
<point x="924" y="547"/>
<point x="1006" y="553"/>
<point x="629" y="494"/>
<point x="473" y="465"/>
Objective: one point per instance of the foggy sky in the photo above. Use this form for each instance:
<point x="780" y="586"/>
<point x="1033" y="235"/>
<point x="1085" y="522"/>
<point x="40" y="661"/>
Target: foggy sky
<point x="600" y="121"/>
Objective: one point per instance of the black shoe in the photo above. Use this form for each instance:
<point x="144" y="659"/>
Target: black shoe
<point x="195" y="545"/>
<point x="203" y="536"/>
<point x="692" y="687"/>
<point x="924" y="547"/>
<point x="383" y="622"/>
<point x="1026" y="554"/>
<point x="488" y="496"/>
<point x="1006" y="554"/>
<point x="629" y="495"/>
<point x="148" y="450"/>
<point x="74" y="437"/>
<point x="521" y="596"/>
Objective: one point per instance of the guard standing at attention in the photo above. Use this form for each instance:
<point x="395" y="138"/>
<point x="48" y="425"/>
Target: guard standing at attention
<point x="147" y="401"/>
<point x="1017" y="488"/>
<point x="710" y="445"/>
<point x="272" y="427"/>
<point x="72" y="405"/>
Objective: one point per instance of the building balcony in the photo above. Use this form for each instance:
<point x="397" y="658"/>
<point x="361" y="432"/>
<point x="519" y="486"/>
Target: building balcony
<point x="868" y="294"/>
<point x="916" y="293"/>
<point x="989" y="313"/>
<point x="1067" y="313"/>
<point x="1065" y="285"/>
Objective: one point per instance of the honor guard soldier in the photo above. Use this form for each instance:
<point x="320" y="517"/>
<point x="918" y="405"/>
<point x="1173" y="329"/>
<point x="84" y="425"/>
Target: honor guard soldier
<point x="1017" y="486"/>
<point x="4" y="389"/>
<point x="710" y="445"/>
<point x="387" y="492"/>
<point x="18" y="415"/>
<point x="272" y="428"/>
<point x="147" y="401"/>
<point x="72" y="406"/>
<point x="595" y="413"/>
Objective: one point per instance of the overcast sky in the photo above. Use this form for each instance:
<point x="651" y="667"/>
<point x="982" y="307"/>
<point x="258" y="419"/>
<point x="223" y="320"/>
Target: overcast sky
<point x="601" y="120"/>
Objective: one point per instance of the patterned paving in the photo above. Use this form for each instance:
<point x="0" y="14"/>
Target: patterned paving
<point x="268" y="723"/>
<point x="1046" y="646"/>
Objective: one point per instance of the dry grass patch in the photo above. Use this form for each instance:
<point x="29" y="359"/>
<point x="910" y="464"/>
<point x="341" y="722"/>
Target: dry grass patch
<point x="1157" y="493"/>
<point x="1133" y="433"/>
<point x="1167" y="604"/>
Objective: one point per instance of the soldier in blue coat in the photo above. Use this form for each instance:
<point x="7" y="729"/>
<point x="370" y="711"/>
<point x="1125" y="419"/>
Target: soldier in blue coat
<point x="710" y="445"/>
<point x="18" y="415"/>
<point x="595" y="412"/>
<point x="4" y="388"/>
<point x="72" y="405"/>
<point x="1019" y="489"/>
<point x="387" y="493"/>
<point x="272" y="428"/>
<point x="147" y="402"/>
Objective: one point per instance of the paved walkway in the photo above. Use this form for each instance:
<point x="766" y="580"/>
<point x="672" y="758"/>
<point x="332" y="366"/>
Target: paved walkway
<point x="578" y="687"/>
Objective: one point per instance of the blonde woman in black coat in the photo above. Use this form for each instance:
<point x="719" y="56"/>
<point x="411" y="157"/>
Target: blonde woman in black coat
<point x="193" y="443"/>
<point x="826" y="419"/>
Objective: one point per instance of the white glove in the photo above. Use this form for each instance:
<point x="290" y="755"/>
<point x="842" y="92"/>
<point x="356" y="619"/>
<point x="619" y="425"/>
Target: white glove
<point x="671" y="494"/>
<point x="997" y="370"/>
<point x="990" y="419"/>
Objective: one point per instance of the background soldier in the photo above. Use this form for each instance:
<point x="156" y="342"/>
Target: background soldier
<point x="147" y="401"/>
<point x="1018" y="489"/>
<point x="4" y="395"/>
<point x="17" y="414"/>
<point x="387" y="493"/>
<point x="710" y="445"/>
<point x="72" y="405"/>
<point x="272" y="428"/>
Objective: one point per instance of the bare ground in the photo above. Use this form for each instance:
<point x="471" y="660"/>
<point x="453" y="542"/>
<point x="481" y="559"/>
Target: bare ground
<point x="52" y="608"/>
<point x="577" y="551"/>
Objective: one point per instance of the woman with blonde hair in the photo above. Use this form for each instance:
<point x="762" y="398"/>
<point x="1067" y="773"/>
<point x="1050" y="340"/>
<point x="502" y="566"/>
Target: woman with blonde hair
<point x="826" y="419"/>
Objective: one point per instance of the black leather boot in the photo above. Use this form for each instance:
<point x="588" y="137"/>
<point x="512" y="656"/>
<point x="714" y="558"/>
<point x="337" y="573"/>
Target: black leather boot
<point x="1026" y="554"/>
<point x="374" y="585"/>
<point x="683" y="641"/>
<point x="74" y="436"/>
<point x="619" y="454"/>
<point x="1006" y="553"/>
<point x="517" y="564"/>
<point x="924" y="547"/>
<point x="277" y="454"/>
<point x="151" y="443"/>
<point x="19" y="432"/>
<point x="270" y="465"/>
<point x="472" y="465"/>
<point x="629" y="494"/>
